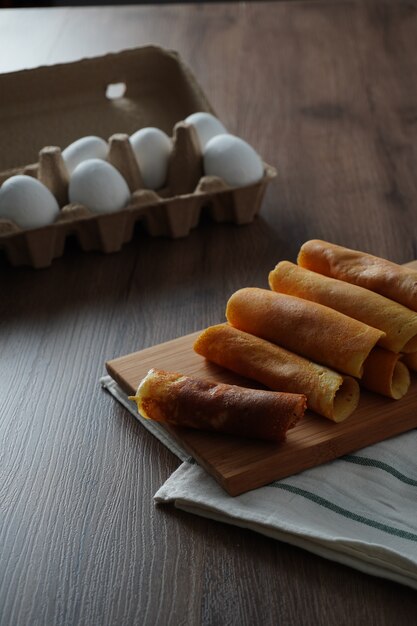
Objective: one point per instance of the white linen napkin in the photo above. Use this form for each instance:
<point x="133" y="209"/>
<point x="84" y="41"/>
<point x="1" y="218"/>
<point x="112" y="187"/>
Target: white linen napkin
<point x="359" y="510"/>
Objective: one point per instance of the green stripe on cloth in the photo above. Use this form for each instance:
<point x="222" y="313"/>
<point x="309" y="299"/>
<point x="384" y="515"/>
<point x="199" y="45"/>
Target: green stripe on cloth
<point x="403" y="534"/>
<point x="366" y="461"/>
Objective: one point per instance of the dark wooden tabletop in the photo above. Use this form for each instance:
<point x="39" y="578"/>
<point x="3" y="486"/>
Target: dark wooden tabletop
<point x="326" y="92"/>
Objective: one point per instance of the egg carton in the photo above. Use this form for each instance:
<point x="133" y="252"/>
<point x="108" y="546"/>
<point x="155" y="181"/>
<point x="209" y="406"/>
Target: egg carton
<point x="170" y="212"/>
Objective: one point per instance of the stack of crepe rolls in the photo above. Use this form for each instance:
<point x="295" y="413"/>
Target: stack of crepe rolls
<point x="384" y="372"/>
<point x="313" y="332"/>
<point x="179" y="400"/>
<point x="328" y="393"/>
<point x="393" y="281"/>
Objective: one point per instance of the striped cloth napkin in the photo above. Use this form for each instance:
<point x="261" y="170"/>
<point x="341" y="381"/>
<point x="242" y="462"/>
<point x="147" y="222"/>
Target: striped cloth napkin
<point x="360" y="510"/>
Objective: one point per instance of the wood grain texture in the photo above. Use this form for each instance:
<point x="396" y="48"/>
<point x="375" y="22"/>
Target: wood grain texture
<point x="326" y="92"/>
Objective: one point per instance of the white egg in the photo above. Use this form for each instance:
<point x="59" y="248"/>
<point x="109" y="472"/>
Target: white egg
<point x="206" y="125"/>
<point x="152" y="148"/>
<point x="98" y="186"/>
<point x="233" y="160"/>
<point x="27" y="202"/>
<point x="90" y="147"/>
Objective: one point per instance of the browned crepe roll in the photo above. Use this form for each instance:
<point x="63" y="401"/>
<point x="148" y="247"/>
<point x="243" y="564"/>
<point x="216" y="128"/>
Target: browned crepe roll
<point x="393" y="281"/>
<point x="181" y="400"/>
<point x="398" y="323"/>
<point x="328" y="393"/>
<point x="304" y="327"/>
<point x="384" y="373"/>
<point x="410" y="360"/>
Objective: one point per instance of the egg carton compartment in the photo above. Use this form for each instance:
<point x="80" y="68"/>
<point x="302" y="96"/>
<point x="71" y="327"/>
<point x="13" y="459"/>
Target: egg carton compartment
<point x="171" y="93"/>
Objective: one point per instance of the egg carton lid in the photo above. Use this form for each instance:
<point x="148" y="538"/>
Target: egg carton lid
<point x="55" y="105"/>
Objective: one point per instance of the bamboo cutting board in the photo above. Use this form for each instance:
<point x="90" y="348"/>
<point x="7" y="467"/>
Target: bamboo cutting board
<point x="243" y="464"/>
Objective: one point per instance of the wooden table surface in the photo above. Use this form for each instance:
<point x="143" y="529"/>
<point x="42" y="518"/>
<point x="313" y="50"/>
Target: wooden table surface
<point x="326" y="92"/>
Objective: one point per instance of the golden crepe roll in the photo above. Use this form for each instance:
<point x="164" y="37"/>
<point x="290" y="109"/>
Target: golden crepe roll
<point x="393" y="281"/>
<point x="193" y="402"/>
<point x="398" y="323"/>
<point x="304" y="327"/>
<point x="328" y="393"/>
<point x="384" y="373"/>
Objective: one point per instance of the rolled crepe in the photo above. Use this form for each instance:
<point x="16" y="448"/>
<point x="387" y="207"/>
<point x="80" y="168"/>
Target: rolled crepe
<point x="398" y="323"/>
<point x="304" y="327"/>
<point x="328" y="393"/>
<point x="384" y="373"/>
<point x="393" y="281"/>
<point x="196" y="403"/>
<point x="410" y="361"/>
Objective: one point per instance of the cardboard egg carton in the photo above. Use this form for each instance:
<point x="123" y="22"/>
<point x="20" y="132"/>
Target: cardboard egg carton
<point x="159" y="91"/>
